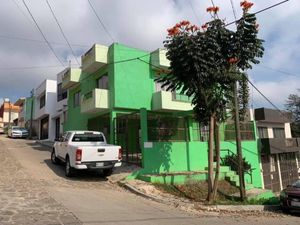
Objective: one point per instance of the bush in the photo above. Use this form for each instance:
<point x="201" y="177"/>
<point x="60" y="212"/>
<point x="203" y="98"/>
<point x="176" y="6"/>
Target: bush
<point x="232" y="161"/>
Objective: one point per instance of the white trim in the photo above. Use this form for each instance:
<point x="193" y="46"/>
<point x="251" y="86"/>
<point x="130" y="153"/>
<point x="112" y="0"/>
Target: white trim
<point x="279" y="171"/>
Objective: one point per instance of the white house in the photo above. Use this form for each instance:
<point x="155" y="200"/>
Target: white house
<point x="61" y="106"/>
<point x="45" y="106"/>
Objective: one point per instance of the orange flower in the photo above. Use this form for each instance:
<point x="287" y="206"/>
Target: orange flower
<point x="246" y="5"/>
<point x="185" y="23"/>
<point x="204" y="26"/>
<point x="233" y="60"/>
<point x="213" y="9"/>
<point x="173" y="31"/>
<point x="256" y="26"/>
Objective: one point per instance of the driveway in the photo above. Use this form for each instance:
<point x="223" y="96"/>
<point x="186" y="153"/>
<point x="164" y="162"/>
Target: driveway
<point x="33" y="191"/>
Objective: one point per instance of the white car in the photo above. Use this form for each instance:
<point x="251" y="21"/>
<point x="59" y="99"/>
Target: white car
<point x="17" y="132"/>
<point x="82" y="150"/>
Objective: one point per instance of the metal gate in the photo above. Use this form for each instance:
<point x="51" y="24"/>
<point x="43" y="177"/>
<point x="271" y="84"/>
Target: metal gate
<point x="128" y="136"/>
<point x="288" y="167"/>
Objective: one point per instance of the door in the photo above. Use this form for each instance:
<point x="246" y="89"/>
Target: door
<point x="64" y="144"/>
<point x="44" y="128"/>
<point x="57" y="127"/>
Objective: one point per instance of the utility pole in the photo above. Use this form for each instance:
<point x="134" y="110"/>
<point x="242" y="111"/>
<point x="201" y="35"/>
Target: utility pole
<point x="238" y="145"/>
<point x="9" y="113"/>
<point x="31" y="113"/>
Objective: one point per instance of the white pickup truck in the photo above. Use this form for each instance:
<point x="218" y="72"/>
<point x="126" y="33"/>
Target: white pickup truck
<point x="82" y="150"/>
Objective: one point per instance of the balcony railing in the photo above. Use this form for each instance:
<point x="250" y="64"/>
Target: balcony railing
<point x="95" y="101"/>
<point x="71" y="77"/>
<point x="94" y="59"/>
<point x="279" y="145"/>
<point x="164" y="101"/>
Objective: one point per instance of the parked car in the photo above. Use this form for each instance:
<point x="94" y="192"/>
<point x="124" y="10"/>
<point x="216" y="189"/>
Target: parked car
<point x="17" y="132"/>
<point x="1" y="130"/>
<point x="290" y="197"/>
<point x="86" y="150"/>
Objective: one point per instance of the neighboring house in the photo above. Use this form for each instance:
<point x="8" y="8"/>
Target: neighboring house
<point x="279" y="150"/>
<point x="44" y="106"/>
<point x="22" y="111"/>
<point x="8" y="112"/>
<point x="61" y="107"/>
<point x="155" y="127"/>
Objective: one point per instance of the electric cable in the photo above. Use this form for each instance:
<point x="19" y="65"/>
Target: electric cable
<point x="62" y="32"/>
<point x="49" y="45"/>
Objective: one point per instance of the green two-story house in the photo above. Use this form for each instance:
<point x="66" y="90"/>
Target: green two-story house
<point x="115" y="92"/>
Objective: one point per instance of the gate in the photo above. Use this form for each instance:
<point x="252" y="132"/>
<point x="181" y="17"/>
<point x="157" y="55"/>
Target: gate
<point x="128" y="136"/>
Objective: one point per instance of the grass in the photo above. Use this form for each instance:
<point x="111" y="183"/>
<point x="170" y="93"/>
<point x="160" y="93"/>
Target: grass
<point x="197" y="191"/>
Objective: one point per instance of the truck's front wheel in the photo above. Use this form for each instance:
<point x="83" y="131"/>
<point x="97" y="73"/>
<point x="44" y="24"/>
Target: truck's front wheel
<point x="69" y="171"/>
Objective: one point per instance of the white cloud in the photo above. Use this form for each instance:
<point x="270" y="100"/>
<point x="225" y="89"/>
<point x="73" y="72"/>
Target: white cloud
<point x="137" y="23"/>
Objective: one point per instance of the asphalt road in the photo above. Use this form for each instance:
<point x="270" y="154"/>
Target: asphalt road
<point x="33" y="191"/>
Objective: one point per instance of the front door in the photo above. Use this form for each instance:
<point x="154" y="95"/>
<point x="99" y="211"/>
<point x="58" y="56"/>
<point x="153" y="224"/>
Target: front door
<point x="44" y="128"/>
<point x="57" y="127"/>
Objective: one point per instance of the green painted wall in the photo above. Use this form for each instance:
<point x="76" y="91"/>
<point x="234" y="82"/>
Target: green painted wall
<point x="133" y="81"/>
<point x="28" y="102"/>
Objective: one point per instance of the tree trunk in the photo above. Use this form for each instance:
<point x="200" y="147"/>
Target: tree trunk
<point x="239" y="146"/>
<point x="210" y="158"/>
<point x="217" y="150"/>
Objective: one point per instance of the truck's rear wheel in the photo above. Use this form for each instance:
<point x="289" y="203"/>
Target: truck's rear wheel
<point x="69" y="171"/>
<point x="107" y="172"/>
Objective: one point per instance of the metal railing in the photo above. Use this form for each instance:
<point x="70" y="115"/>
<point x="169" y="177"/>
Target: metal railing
<point x="231" y="153"/>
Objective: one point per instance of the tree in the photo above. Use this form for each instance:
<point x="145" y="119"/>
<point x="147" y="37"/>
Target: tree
<point x="293" y="106"/>
<point x="205" y="64"/>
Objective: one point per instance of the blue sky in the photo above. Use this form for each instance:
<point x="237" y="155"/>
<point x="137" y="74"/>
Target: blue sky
<point x="141" y="24"/>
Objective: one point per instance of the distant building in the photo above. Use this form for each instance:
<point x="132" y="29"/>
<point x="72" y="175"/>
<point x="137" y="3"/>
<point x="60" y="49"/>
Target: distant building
<point x="8" y="112"/>
<point x="280" y="152"/>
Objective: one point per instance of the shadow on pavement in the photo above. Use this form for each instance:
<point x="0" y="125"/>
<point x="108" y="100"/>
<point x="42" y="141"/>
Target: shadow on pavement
<point x="37" y="146"/>
<point x="80" y="175"/>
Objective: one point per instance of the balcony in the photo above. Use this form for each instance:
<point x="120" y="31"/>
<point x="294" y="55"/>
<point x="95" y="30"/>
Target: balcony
<point x="94" y="59"/>
<point x="71" y="77"/>
<point x="272" y="115"/>
<point x="95" y="101"/>
<point x="279" y="145"/>
<point x="168" y="101"/>
<point x="159" y="59"/>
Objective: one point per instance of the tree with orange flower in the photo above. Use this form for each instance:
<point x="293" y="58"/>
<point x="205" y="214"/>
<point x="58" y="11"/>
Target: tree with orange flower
<point x="205" y="63"/>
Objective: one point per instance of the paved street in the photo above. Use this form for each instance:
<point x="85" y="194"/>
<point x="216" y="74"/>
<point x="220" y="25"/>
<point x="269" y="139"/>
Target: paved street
<point x="33" y="191"/>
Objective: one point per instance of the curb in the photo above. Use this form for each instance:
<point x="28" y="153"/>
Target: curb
<point x="217" y="208"/>
<point x="138" y="192"/>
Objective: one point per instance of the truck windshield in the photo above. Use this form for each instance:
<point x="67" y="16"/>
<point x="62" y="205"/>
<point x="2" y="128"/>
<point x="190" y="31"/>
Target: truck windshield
<point x="88" y="138"/>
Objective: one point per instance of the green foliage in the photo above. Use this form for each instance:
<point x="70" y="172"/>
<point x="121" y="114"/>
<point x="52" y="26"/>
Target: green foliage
<point x="201" y="64"/>
<point x="232" y="161"/>
<point x="293" y="106"/>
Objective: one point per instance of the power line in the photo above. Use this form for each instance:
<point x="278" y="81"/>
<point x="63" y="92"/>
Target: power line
<point x="56" y="66"/>
<point x="19" y="8"/>
<point x="194" y="12"/>
<point x="100" y="21"/>
<point x="62" y="32"/>
<point x="260" y="11"/>
<point x="49" y="45"/>
<point x="279" y="71"/>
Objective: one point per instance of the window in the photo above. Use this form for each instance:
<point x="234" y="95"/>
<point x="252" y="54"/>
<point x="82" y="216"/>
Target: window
<point x="87" y="137"/>
<point x="273" y="163"/>
<point x="61" y="93"/>
<point x="262" y="132"/>
<point x="77" y="99"/>
<point x="42" y="101"/>
<point x="278" y="133"/>
<point x="102" y="82"/>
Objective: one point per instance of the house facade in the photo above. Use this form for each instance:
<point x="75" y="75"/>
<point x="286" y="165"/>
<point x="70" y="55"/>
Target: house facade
<point x="45" y="98"/>
<point x="8" y="112"/>
<point x="21" y="102"/>
<point x="280" y="152"/>
<point x="115" y="91"/>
